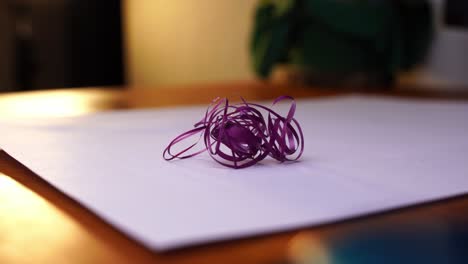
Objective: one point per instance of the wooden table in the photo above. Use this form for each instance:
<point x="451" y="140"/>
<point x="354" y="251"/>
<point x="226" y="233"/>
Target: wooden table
<point x="39" y="224"/>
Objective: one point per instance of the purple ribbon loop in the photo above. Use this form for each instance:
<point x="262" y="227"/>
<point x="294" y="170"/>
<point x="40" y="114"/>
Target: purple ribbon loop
<point x="238" y="136"/>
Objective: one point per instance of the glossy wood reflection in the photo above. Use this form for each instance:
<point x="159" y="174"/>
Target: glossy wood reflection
<point x="58" y="103"/>
<point x="32" y="230"/>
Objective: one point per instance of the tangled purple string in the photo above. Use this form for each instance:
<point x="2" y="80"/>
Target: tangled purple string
<point x="238" y="136"/>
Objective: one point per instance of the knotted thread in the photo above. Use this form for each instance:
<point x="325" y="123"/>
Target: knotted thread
<point x="239" y="136"/>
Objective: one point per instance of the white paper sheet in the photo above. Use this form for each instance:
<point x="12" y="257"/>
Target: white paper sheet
<point x="362" y="155"/>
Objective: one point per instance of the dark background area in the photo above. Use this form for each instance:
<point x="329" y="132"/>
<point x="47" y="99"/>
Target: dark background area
<point x="94" y="37"/>
<point x="61" y="43"/>
<point x="456" y="13"/>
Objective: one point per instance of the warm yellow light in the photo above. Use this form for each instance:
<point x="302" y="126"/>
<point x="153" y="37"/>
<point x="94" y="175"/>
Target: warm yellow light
<point x="36" y="104"/>
<point x="26" y="219"/>
<point x="305" y="248"/>
<point x="33" y="230"/>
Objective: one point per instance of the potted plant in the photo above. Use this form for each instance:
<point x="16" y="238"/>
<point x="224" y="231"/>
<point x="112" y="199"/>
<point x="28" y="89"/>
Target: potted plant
<point x="341" y="42"/>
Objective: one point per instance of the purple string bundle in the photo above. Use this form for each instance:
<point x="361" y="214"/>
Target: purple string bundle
<point x="238" y="136"/>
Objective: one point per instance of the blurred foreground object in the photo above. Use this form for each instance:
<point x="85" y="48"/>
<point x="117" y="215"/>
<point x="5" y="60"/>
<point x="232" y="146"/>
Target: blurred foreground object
<point x="332" y="42"/>
<point x="430" y="243"/>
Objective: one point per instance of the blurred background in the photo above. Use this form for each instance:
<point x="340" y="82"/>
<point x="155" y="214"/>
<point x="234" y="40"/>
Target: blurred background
<point x="75" y="43"/>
